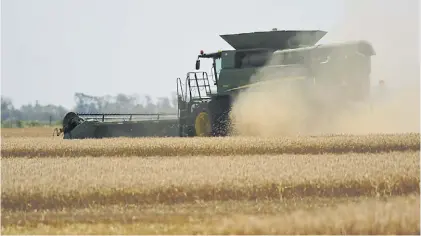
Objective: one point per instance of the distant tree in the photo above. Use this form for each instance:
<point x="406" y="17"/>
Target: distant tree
<point x="164" y="105"/>
<point x="6" y="108"/>
<point x="35" y="114"/>
<point x="174" y="100"/>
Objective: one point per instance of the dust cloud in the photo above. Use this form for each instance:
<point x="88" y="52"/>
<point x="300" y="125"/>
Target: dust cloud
<point x="269" y="110"/>
<point x="392" y="28"/>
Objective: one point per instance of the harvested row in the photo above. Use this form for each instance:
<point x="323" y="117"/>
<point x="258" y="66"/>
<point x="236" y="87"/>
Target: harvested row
<point x="395" y="215"/>
<point x="28" y="132"/>
<point x="167" y="214"/>
<point x="182" y="194"/>
<point x="143" y="147"/>
<point x="79" y="182"/>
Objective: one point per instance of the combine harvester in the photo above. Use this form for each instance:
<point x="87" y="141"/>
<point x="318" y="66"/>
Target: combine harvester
<point x="286" y="55"/>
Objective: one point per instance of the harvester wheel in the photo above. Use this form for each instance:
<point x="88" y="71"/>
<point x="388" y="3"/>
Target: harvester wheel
<point x="202" y="124"/>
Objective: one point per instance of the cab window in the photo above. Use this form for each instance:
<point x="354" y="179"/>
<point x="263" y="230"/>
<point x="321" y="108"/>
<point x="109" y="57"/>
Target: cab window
<point x="218" y="65"/>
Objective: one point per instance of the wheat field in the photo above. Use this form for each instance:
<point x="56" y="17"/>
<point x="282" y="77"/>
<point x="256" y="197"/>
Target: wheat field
<point x="342" y="184"/>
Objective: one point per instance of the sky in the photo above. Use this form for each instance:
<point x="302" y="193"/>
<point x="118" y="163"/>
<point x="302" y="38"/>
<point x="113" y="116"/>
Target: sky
<point x="53" y="48"/>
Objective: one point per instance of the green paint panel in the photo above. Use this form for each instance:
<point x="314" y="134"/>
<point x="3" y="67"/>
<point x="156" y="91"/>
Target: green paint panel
<point x="233" y="78"/>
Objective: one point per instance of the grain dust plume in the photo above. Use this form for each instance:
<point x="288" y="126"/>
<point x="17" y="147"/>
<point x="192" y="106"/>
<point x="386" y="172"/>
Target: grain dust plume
<point x="392" y="28"/>
<point x="269" y="109"/>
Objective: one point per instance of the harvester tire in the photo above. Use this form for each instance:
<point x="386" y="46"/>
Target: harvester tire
<point x="220" y="109"/>
<point x="202" y="124"/>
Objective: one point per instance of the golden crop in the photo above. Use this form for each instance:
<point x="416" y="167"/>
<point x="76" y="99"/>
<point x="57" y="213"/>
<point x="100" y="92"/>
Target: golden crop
<point x="57" y="147"/>
<point x="66" y="182"/>
<point x="395" y="215"/>
<point x="367" y="184"/>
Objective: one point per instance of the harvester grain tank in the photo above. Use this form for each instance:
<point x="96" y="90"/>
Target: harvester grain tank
<point x="283" y="55"/>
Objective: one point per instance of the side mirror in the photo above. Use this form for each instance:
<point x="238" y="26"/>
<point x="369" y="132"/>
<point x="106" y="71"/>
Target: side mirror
<point x="197" y="64"/>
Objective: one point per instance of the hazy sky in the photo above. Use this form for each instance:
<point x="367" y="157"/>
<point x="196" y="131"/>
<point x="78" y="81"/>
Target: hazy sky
<point x="53" y="48"/>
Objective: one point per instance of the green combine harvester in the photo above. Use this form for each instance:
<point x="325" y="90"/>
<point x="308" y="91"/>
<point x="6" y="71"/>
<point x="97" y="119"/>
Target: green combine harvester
<point x="285" y="55"/>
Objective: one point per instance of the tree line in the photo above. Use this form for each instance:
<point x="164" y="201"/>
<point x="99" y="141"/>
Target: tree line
<point x="37" y="114"/>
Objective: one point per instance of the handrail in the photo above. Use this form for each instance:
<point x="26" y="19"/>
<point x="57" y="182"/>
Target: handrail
<point x="120" y="116"/>
<point x="180" y="87"/>
<point x="197" y="85"/>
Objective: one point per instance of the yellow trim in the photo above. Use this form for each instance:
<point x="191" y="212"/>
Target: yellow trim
<point x="202" y="124"/>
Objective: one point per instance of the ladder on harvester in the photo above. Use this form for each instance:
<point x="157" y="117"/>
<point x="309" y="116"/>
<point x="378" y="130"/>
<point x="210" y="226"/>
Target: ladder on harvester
<point x="197" y="87"/>
<point x="198" y="84"/>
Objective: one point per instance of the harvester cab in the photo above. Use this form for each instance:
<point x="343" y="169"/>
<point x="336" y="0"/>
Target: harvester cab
<point x="203" y="110"/>
<point x="216" y="64"/>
